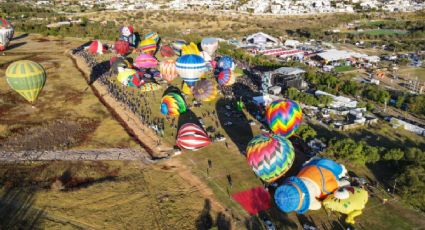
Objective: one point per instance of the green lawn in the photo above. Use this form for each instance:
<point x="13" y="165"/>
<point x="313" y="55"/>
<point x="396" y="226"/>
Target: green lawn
<point x="340" y="69"/>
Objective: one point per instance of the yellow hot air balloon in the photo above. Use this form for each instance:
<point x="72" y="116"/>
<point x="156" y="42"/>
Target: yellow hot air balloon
<point x="123" y="76"/>
<point x="27" y="78"/>
<point x="192" y="48"/>
<point x="186" y="89"/>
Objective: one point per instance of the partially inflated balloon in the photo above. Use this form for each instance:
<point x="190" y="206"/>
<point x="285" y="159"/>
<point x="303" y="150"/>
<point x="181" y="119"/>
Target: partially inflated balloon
<point x="166" y="51"/>
<point x="172" y="104"/>
<point x="192" y="48"/>
<point x="125" y="75"/>
<point x="209" y="45"/>
<point x="122" y="47"/>
<point x="4" y="40"/>
<point x="6" y="28"/>
<point x="27" y="78"/>
<point x="192" y="137"/>
<point x="226" y="78"/>
<point x="225" y="63"/>
<point x="205" y="90"/>
<point x="96" y="47"/>
<point x="150" y="86"/>
<point x="177" y="46"/>
<point x="284" y="117"/>
<point x="190" y="68"/>
<point x="270" y="156"/>
<point x="167" y="68"/>
<point x="187" y="89"/>
<point x="145" y="61"/>
<point x="148" y="46"/>
<point x="152" y="35"/>
<point x="119" y="62"/>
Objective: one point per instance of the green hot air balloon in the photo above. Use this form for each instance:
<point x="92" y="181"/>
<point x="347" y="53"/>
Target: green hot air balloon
<point x="27" y="78"/>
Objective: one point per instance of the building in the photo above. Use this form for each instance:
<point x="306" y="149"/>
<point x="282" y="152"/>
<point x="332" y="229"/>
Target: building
<point x="407" y="126"/>
<point x="283" y="77"/>
<point x="338" y="101"/>
<point x="263" y="40"/>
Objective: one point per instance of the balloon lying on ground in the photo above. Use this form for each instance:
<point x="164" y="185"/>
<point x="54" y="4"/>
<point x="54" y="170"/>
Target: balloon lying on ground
<point x="168" y="71"/>
<point x="226" y="63"/>
<point x="166" y="51"/>
<point x="150" y="86"/>
<point x="209" y="45"/>
<point x="317" y="179"/>
<point x="284" y="117"/>
<point x="26" y="78"/>
<point x="172" y="104"/>
<point x="226" y="78"/>
<point x="119" y="62"/>
<point x="270" y="156"/>
<point x="177" y="46"/>
<point x="136" y="80"/>
<point x="190" y="68"/>
<point x="192" y="137"/>
<point x="152" y="35"/>
<point x="192" y="48"/>
<point x="124" y="75"/>
<point x="148" y="46"/>
<point x="127" y="34"/>
<point x="96" y="47"/>
<point x="347" y="200"/>
<point x="205" y="90"/>
<point x="145" y="61"/>
<point x="122" y="47"/>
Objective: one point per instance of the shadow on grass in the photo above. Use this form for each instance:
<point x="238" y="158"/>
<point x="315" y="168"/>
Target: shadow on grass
<point x="20" y="36"/>
<point x="98" y="70"/>
<point x="15" y="45"/>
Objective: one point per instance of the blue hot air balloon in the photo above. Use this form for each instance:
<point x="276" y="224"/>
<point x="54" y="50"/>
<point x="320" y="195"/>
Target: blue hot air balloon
<point x="190" y="68"/>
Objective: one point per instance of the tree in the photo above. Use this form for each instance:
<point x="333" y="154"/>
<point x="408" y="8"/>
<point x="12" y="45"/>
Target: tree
<point x="393" y="154"/>
<point x="372" y="154"/>
<point x="306" y="132"/>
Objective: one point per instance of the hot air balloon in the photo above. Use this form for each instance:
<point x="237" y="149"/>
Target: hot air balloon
<point x="148" y="46"/>
<point x="192" y="137"/>
<point x="152" y="35"/>
<point x="145" y="61"/>
<point x="226" y="78"/>
<point x="166" y="51"/>
<point x="190" y="68"/>
<point x="317" y="179"/>
<point x="192" y="48"/>
<point x="284" y="117"/>
<point x="119" y="62"/>
<point x="6" y="28"/>
<point x="150" y="86"/>
<point x="122" y="47"/>
<point x="127" y="34"/>
<point x="186" y="89"/>
<point x="172" y="104"/>
<point x="124" y="75"/>
<point x="96" y="47"/>
<point x="4" y="40"/>
<point x="226" y="63"/>
<point x="205" y="90"/>
<point x="177" y="46"/>
<point x="27" y="78"/>
<point x="207" y="58"/>
<point x="136" y="80"/>
<point x="167" y="67"/>
<point x="209" y="45"/>
<point x="270" y="156"/>
<point x="347" y="200"/>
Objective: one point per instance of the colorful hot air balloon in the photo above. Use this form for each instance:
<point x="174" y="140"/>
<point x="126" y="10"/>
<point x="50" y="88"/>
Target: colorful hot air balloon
<point x="190" y="68"/>
<point x="152" y="35"/>
<point x="226" y="78"/>
<point x="172" y="104"/>
<point x="4" y="40"/>
<point x="166" y="51"/>
<point x="167" y="67"/>
<point x="225" y="63"/>
<point x="148" y="46"/>
<point x="127" y="34"/>
<point x="205" y="90"/>
<point x="284" y="117"/>
<point x="125" y="75"/>
<point x="177" y="46"/>
<point x="6" y="28"/>
<point x="209" y="45"/>
<point x="270" y="156"/>
<point x="27" y="78"/>
<point x="192" y="137"/>
<point x="96" y="47"/>
<point x="187" y="89"/>
<point x="150" y="86"/>
<point x="192" y="48"/>
<point x="122" y="47"/>
<point x="145" y="61"/>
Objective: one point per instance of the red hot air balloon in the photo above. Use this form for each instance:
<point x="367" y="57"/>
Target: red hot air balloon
<point x="166" y="51"/>
<point x="192" y="137"/>
<point x="122" y="47"/>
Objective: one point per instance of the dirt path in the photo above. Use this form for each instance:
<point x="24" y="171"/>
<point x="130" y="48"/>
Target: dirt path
<point x="145" y="136"/>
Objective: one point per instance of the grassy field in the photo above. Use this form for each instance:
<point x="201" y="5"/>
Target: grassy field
<point x="411" y="73"/>
<point x="66" y="111"/>
<point x="380" y="32"/>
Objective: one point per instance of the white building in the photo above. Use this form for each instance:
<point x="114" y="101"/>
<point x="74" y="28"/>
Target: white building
<point x="338" y="101"/>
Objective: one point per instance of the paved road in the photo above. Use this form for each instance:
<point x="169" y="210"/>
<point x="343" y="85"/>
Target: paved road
<point x="75" y="155"/>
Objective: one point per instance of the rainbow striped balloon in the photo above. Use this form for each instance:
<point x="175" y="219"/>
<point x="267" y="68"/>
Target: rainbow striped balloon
<point x="172" y="104"/>
<point x="270" y="156"/>
<point x="284" y="117"/>
<point x="226" y="78"/>
<point x="152" y="35"/>
<point x="167" y="68"/>
<point x="148" y="46"/>
<point x="145" y="61"/>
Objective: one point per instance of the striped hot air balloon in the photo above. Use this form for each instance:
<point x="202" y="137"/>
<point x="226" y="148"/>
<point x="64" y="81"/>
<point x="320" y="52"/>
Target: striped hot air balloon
<point x="225" y="63"/>
<point x="209" y="45"/>
<point x="148" y="46"/>
<point x="152" y="35"/>
<point x="205" y="90"/>
<point x="27" y="78"/>
<point x="177" y="46"/>
<point x="166" y="51"/>
<point x="226" y="78"/>
<point x="192" y="137"/>
<point x="122" y="47"/>
<point x="150" y="86"/>
<point x="145" y="61"/>
<point x="284" y="117"/>
<point x="168" y="71"/>
<point x="4" y="40"/>
<point x="270" y="156"/>
<point x="6" y="28"/>
<point x="172" y="104"/>
<point x="190" y="68"/>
